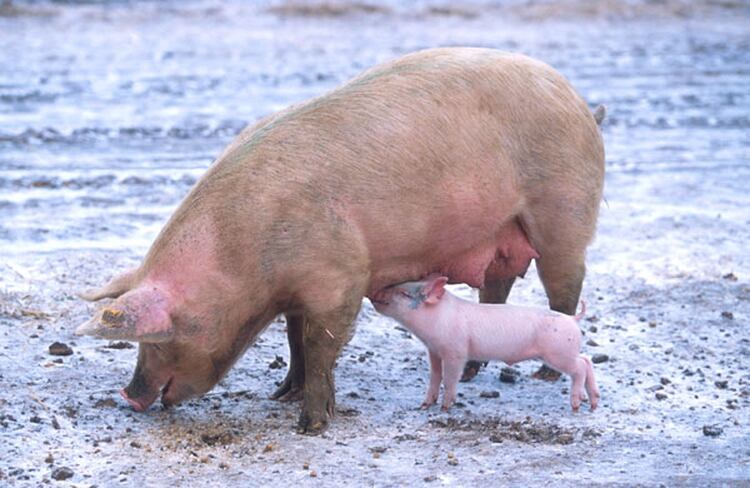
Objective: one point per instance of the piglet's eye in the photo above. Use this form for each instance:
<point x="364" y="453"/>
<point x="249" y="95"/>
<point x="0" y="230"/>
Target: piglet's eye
<point x="405" y="293"/>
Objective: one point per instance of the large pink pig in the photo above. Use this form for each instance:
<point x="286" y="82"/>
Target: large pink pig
<point x="456" y="330"/>
<point x="467" y="162"/>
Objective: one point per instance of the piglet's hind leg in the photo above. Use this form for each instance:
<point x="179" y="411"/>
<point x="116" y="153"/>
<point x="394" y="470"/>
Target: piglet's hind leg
<point x="591" y="388"/>
<point x="578" y="375"/>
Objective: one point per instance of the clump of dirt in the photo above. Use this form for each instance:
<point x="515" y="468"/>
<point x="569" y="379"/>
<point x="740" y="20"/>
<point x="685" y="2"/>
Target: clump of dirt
<point x="219" y="437"/>
<point x="60" y="349"/>
<point x="119" y="345"/>
<point x="509" y="375"/>
<point x="105" y="403"/>
<point x="527" y="431"/>
<point x="326" y="9"/>
<point x="277" y="363"/>
<point x="62" y="473"/>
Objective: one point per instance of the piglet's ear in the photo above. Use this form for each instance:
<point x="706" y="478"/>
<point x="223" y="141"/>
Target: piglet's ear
<point x="434" y="290"/>
<point x="140" y="315"/>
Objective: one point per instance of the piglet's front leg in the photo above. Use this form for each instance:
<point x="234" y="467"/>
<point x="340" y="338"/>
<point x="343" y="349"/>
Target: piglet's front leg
<point x="436" y="377"/>
<point x="452" y="369"/>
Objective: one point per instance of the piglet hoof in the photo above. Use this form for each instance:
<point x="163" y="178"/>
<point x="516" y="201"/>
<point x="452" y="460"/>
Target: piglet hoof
<point x="426" y="405"/>
<point x="445" y="408"/>
<point x="546" y="373"/>
<point x="594" y="403"/>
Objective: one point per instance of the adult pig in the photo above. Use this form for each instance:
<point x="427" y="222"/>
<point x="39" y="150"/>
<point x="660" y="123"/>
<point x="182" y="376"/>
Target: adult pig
<point x="455" y="330"/>
<point x="466" y="162"/>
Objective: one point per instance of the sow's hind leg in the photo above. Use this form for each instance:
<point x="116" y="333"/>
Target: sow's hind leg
<point x="560" y="229"/>
<point x="561" y="270"/>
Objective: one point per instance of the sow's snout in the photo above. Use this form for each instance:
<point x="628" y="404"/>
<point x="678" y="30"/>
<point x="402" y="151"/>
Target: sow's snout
<point x="152" y="372"/>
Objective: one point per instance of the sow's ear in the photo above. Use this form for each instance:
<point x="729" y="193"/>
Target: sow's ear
<point x="140" y="315"/>
<point x="434" y="290"/>
<point x="115" y="288"/>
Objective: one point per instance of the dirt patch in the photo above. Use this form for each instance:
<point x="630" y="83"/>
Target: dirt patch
<point x="326" y="9"/>
<point x="528" y="431"/>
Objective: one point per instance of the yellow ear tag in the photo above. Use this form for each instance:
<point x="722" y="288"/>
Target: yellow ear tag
<point x="113" y="318"/>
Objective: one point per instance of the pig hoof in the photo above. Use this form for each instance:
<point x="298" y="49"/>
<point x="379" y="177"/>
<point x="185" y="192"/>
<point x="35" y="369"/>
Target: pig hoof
<point x="291" y="389"/>
<point x="470" y="371"/>
<point x="310" y="426"/>
<point x="546" y="373"/>
<point x="288" y="393"/>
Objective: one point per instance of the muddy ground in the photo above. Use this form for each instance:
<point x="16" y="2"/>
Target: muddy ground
<point x="98" y="143"/>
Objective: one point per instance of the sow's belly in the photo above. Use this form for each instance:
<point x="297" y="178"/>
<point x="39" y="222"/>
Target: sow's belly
<point x="507" y="256"/>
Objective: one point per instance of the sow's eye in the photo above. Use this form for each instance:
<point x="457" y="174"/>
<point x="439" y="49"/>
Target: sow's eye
<point x="404" y="293"/>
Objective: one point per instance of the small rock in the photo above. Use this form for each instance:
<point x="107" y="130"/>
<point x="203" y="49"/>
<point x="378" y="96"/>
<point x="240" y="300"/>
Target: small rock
<point x="665" y="381"/>
<point x="35" y="419"/>
<point x="712" y="430"/>
<point x="730" y="277"/>
<point x="727" y="315"/>
<point x="105" y="403"/>
<point x="661" y="396"/>
<point x="490" y="394"/>
<point x="721" y="384"/>
<point x="135" y="444"/>
<point x="49" y="459"/>
<point x="565" y="438"/>
<point x="277" y="363"/>
<point x="592" y="343"/>
<point x="430" y="478"/>
<point x="313" y="474"/>
<point x="509" y="375"/>
<point x="593" y="329"/>
<point x="119" y="345"/>
<point x="60" y="349"/>
<point x="62" y="473"/>
<point x="599" y="358"/>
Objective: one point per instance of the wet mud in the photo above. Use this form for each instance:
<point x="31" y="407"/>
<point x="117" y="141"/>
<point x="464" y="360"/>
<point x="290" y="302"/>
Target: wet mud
<point x="110" y="112"/>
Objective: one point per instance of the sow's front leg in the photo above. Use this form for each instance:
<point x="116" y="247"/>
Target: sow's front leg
<point x="330" y="316"/>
